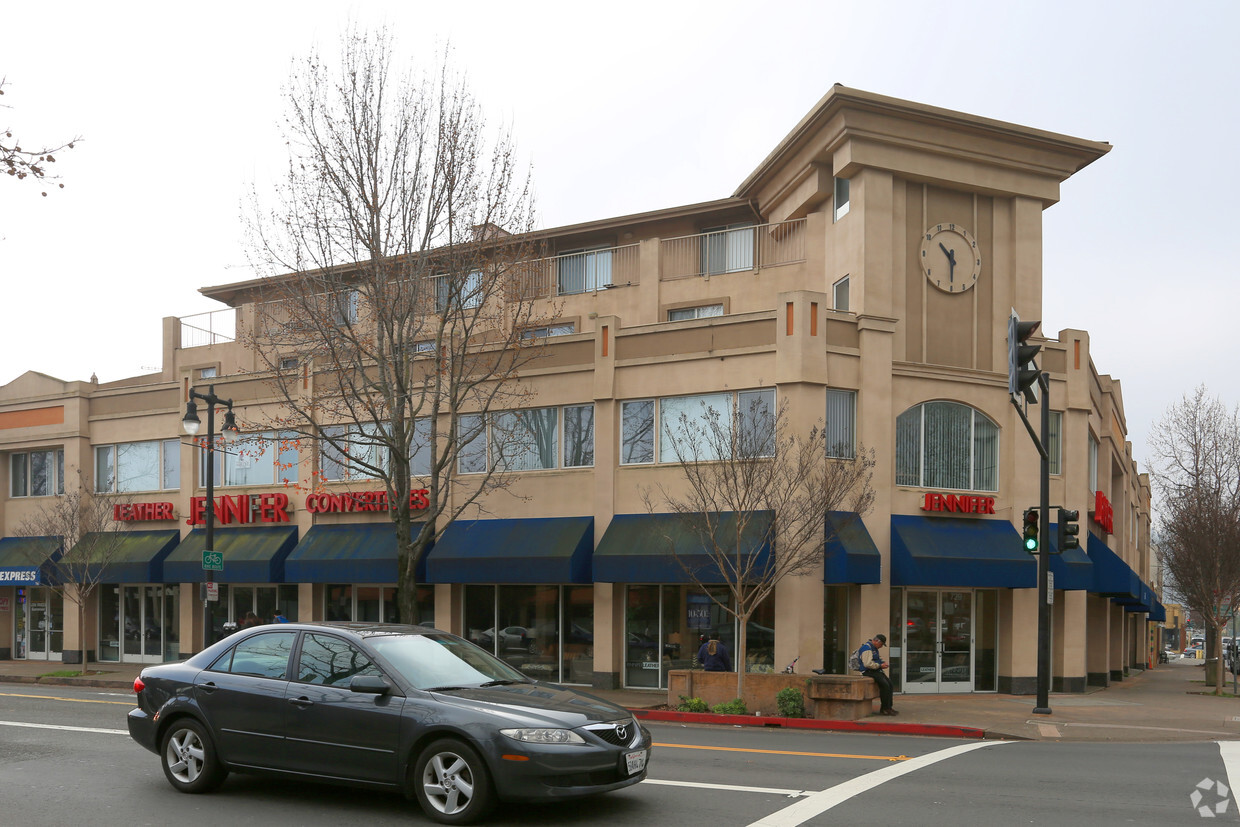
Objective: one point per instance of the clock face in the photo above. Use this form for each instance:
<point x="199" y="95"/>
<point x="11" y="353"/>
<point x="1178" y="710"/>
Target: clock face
<point x="949" y="258"/>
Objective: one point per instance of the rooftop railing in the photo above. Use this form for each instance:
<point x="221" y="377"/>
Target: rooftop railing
<point x="212" y="328"/>
<point x="732" y="249"/>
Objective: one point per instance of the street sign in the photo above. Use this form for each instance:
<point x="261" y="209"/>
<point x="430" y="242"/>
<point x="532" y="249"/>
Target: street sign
<point x="213" y="592"/>
<point x="212" y="560"/>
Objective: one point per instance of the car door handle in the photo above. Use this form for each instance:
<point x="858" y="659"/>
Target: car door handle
<point x="303" y="702"/>
<point x="208" y="687"/>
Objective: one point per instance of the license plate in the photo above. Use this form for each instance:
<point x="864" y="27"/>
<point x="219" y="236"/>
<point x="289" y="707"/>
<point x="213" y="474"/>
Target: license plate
<point x="635" y="762"/>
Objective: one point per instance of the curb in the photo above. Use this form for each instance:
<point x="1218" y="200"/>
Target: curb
<point x="875" y="727"/>
<point x="94" y="683"/>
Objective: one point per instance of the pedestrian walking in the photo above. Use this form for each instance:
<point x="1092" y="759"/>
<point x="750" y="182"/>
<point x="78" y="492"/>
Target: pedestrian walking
<point x="872" y="666"/>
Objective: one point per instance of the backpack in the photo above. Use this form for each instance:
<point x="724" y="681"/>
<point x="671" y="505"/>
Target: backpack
<point x="854" y="661"/>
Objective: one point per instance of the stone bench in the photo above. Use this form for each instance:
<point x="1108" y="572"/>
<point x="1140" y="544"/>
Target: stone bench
<point x="827" y="697"/>
<point x="842" y="697"/>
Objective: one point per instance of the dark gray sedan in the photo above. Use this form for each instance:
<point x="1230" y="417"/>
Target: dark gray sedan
<point x="405" y="708"/>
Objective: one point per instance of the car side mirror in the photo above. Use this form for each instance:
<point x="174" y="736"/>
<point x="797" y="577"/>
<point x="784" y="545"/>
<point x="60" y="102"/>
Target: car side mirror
<point x="370" y="684"/>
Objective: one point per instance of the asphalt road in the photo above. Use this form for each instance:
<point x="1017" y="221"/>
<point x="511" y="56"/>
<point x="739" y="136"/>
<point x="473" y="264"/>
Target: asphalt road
<point x="65" y="757"/>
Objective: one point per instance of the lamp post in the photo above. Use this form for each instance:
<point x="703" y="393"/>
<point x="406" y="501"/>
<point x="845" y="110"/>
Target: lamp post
<point x="191" y="424"/>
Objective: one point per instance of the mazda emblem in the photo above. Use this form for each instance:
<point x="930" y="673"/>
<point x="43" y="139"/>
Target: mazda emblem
<point x="622" y="732"/>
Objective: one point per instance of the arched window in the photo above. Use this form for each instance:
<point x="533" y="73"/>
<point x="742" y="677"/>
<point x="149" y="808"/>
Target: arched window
<point x="947" y="445"/>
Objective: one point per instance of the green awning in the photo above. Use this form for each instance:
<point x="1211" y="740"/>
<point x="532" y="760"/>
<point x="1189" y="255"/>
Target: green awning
<point x="251" y="555"/>
<point x="637" y="548"/>
<point x="348" y="553"/>
<point x="23" y="559"/>
<point x="128" y="556"/>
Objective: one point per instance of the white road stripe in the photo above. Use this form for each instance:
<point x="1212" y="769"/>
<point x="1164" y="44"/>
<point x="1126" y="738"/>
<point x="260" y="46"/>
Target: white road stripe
<point x="730" y="787"/>
<point x="68" y="728"/>
<point x="1230" y="750"/>
<point x="819" y="803"/>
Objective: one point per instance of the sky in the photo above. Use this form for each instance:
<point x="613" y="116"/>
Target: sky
<point x="658" y="105"/>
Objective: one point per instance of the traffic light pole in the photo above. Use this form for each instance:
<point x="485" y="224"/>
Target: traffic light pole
<point x="1044" y="557"/>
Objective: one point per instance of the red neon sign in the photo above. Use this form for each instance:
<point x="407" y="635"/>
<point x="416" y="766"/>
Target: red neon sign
<point x="241" y="508"/>
<point x="1103" y="514"/>
<point x="323" y="503"/>
<point x="959" y="504"/>
<point x="134" y="512"/>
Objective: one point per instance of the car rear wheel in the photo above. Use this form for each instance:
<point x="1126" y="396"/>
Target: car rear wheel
<point x="189" y="758"/>
<point x="452" y="783"/>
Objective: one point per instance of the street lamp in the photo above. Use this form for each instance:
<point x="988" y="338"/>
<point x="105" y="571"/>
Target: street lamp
<point x="191" y="424"/>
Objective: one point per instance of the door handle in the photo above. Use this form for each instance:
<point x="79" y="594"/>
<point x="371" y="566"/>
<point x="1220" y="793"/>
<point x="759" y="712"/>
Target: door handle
<point x="208" y="687"/>
<point x="302" y="702"/>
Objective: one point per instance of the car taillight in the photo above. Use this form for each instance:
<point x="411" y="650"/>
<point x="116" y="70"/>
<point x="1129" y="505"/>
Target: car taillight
<point x="138" y="685"/>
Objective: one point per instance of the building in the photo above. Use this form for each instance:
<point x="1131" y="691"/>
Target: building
<point x="864" y="274"/>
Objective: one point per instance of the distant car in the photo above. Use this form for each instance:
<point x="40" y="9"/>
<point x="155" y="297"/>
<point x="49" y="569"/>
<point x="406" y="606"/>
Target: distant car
<point x="1191" y="651"/>
<point x="511" y="639"/>
<point x="382" y="706"/>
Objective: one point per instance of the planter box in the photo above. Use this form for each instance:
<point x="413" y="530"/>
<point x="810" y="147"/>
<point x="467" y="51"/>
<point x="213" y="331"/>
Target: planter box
<point x="827" y="697"/>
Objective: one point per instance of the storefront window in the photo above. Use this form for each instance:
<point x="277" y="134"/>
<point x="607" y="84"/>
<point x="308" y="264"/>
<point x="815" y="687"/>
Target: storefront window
<point x="109" y="623"/>
<point x="760" y="638"/>
<point x="172" y="623"/>
<point x="529" y="629"/>
<point x="480" y="616"/>
<point x="896" y="638"/>
<point x="986" y="675"/>
<point x="577" y="659"/>
<point x="835" y="637"/>
<point x="641" y="665"/>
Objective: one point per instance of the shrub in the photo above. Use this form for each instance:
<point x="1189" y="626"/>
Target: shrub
<point x="692" y="705"/>
<point x="791" y="703"/>
<point x="732" y="707"/>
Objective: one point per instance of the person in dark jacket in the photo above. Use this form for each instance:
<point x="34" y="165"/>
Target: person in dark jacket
<point x="714" y="656"/>
<point x="872" y="665"/>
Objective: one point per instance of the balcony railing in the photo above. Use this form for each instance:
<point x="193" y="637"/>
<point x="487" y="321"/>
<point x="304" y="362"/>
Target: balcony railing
<point x="732" y="250"/>
<point x="213" y="328"/>
<point x="582" y="271"/>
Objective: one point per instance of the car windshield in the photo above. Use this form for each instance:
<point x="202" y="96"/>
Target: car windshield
<point x="441" y="662"/>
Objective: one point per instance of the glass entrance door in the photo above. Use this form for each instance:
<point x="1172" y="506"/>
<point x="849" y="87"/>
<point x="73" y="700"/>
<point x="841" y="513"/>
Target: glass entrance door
<point x="41" y="621"/>
<point x="938" y="641"/>
<point x="143" y="624"/>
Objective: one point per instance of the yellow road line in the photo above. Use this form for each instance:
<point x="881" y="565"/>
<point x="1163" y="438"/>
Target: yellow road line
<point x="788" y="752"/>
<point x="70" y="700"/>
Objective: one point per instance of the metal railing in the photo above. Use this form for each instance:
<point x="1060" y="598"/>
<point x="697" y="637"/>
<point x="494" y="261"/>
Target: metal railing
<point x="581" y="271"/>
<point x="211" y="328"/>
<point x="732" y="250"/>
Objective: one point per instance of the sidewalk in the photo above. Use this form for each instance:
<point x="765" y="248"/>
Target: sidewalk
<point x="1164" y="704"/>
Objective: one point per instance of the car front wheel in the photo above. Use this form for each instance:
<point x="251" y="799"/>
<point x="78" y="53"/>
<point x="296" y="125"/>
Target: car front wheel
<point x="189" y="758"/>
<point x="452" y="784"/>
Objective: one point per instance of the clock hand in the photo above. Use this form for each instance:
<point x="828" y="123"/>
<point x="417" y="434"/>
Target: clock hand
<point x="946" y="252"/>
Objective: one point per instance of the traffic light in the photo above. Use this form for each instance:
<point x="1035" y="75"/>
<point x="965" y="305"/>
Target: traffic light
<point x="1031" y="530"/>
<point x="1022" y="372"/>
<point x="1068" y="529"/>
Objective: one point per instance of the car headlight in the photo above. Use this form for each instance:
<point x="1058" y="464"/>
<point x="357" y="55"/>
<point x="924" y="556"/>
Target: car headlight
<point x="544" y="736"/>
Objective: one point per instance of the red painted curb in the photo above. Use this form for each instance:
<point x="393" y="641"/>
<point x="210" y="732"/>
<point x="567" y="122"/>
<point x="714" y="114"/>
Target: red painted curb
<point x="878" y="727"/>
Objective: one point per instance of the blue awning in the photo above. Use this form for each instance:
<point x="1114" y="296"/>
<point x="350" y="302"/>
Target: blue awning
<point x="1159" y="613"/>
<point x="638" y="548"/>
<point x="1143" y="602"/>
<point x="941" y="551"/>
<point x="251" y="555"/>
<point x="1112" y="576"/>
<point x="536" y="550"/>
<point x="23" y="560"/>
<point x="128" y="556"/>
<point x="1073" y="570"/>
<point x="851" y="556"/>
<point x="348" y="553"/>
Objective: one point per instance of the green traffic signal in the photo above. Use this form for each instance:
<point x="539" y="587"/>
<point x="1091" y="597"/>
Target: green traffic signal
<point x="1031" y="530"/>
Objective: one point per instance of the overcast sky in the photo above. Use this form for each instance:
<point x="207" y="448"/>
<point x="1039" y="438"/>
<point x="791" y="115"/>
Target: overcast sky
<point x="622" y="109"/>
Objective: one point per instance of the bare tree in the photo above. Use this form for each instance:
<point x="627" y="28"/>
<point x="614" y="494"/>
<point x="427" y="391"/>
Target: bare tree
<point x="23" y="162"/>
<point x="393" y="315"/>
<point x="1196" y="475"/>
<point x="88" y="539"/>
<point x="751" y="481"/>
